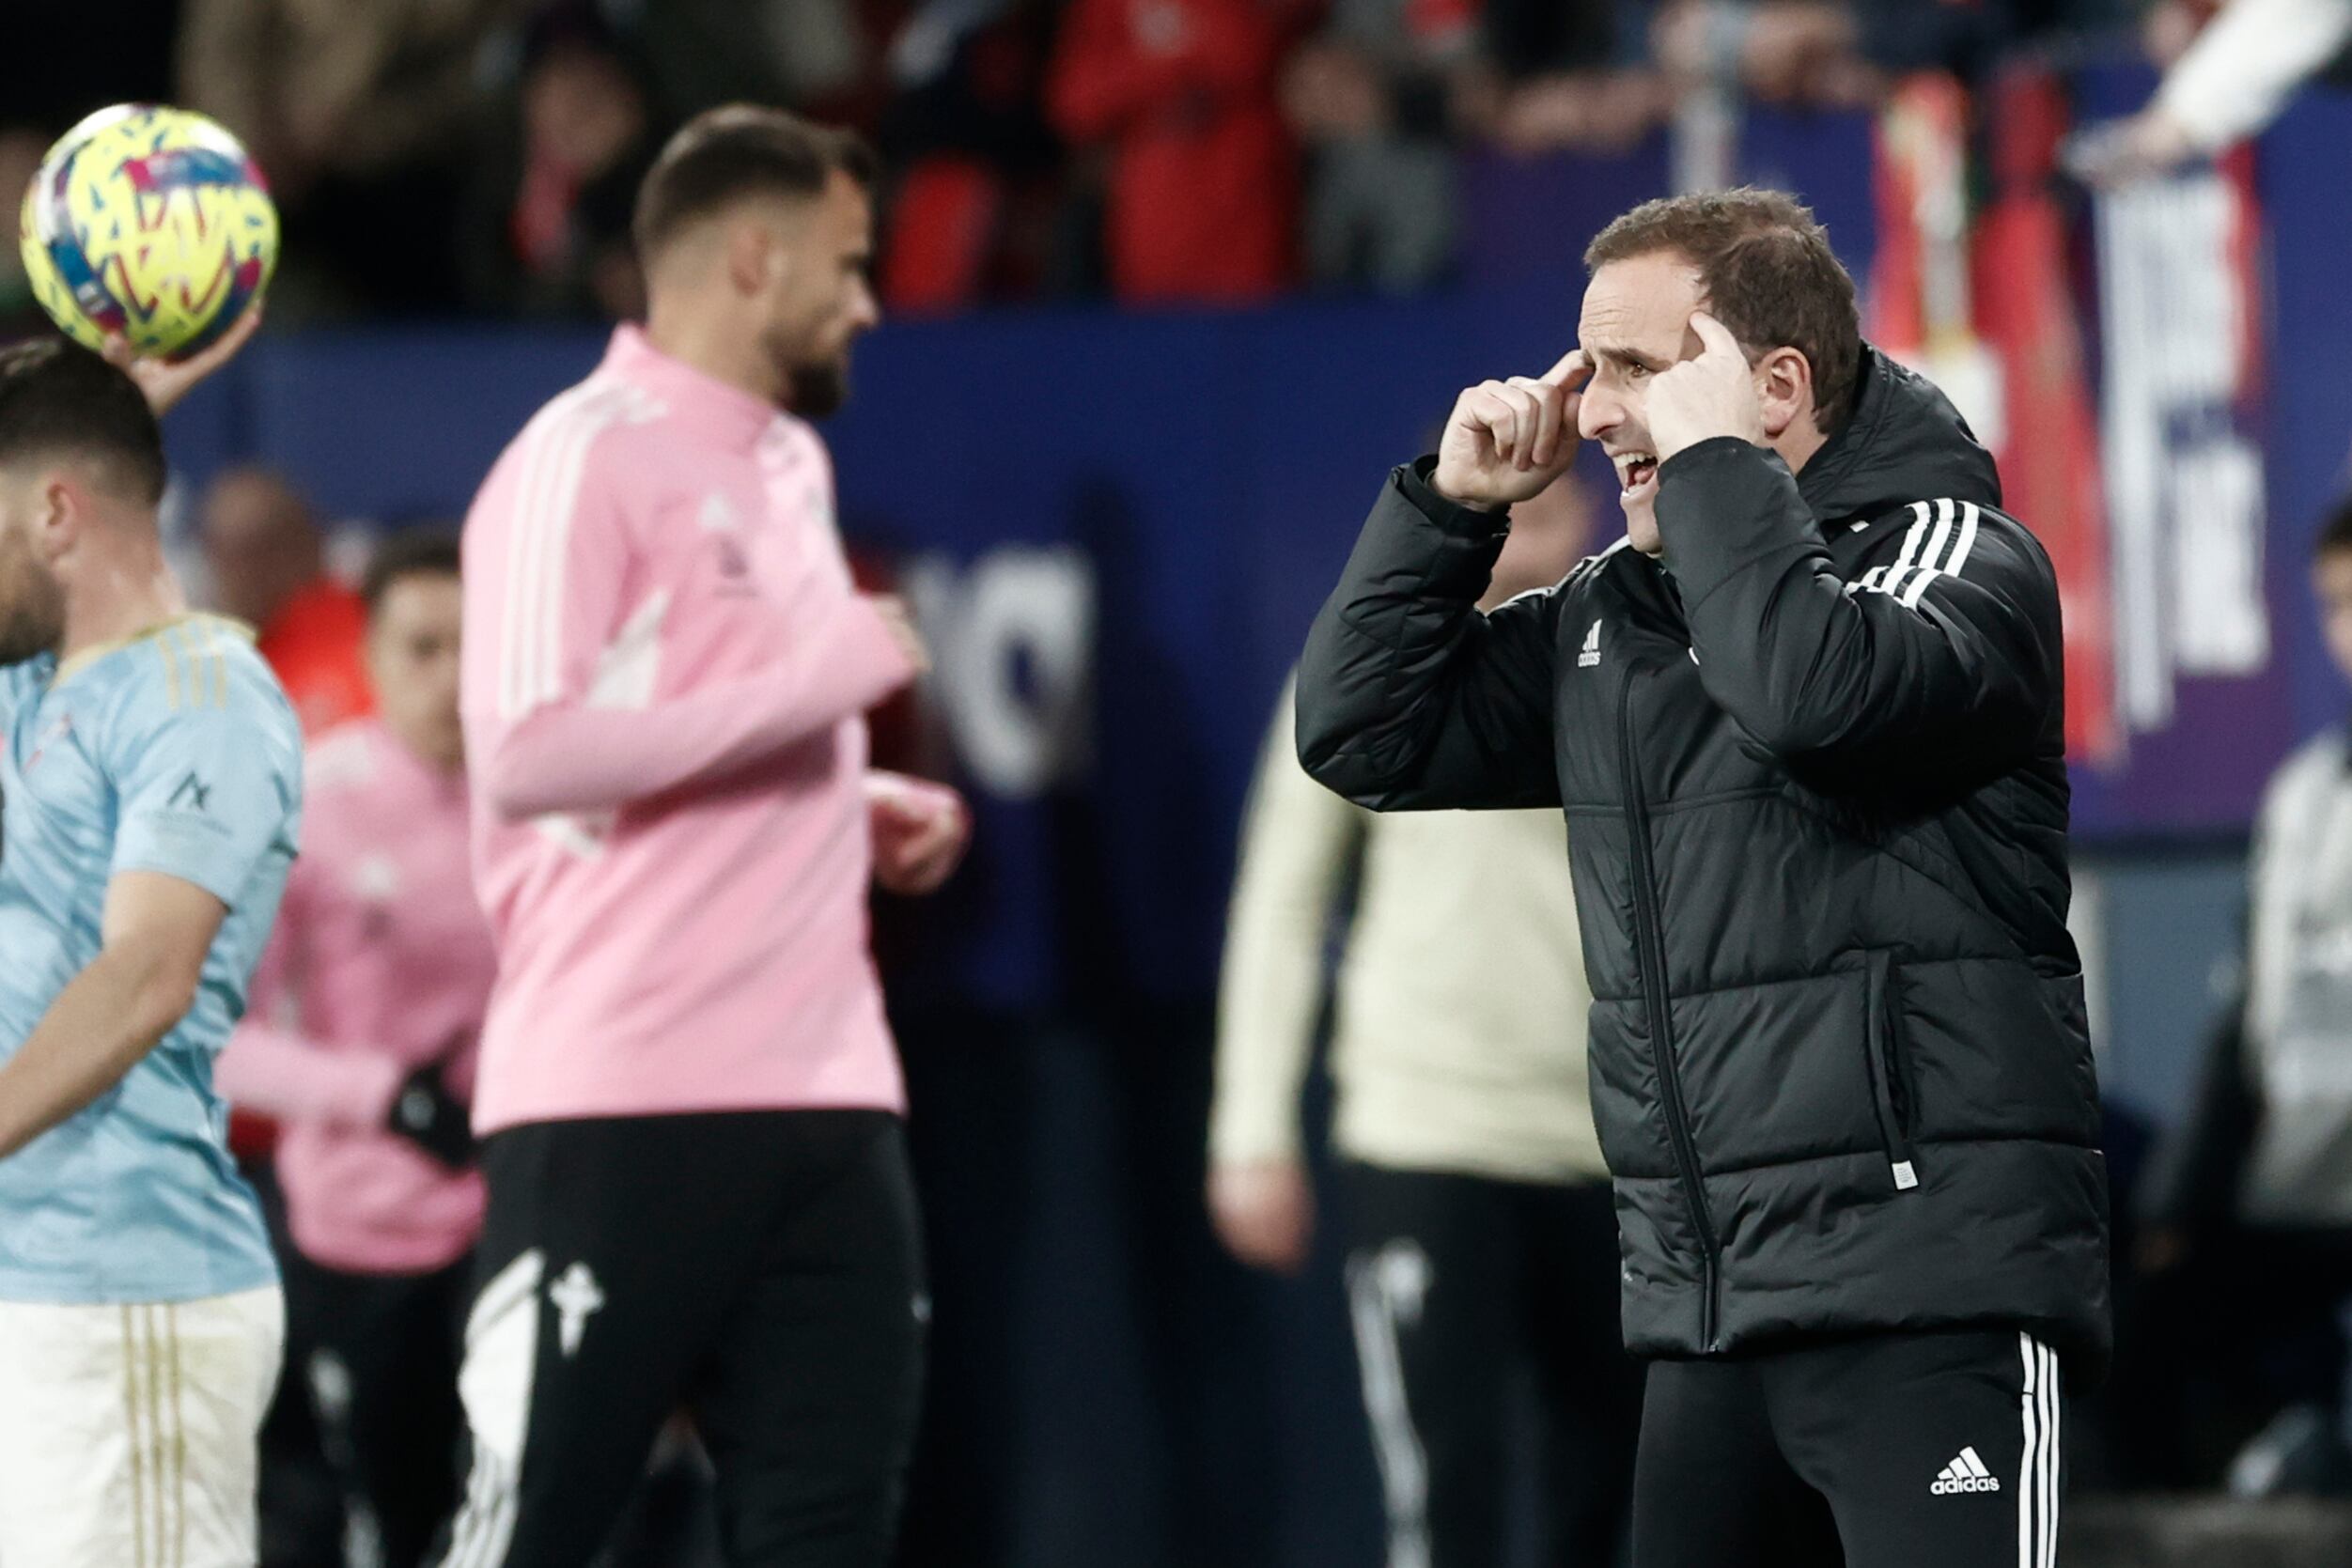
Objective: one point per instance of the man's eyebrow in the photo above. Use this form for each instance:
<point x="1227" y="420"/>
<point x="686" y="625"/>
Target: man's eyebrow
<point x="1621" y="355"/>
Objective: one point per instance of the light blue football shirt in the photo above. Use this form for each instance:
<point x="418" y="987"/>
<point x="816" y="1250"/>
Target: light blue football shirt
<point x="176" y="752"/>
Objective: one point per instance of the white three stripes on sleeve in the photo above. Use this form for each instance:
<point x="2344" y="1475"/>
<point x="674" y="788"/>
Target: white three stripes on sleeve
<point x="1941" y="535"/>
<point x="547" y="497"/>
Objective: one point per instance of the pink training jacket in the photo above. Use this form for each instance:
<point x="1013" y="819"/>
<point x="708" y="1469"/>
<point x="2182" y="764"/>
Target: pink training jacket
<point x="379" y="963"/>
<point x="666" y="668"/>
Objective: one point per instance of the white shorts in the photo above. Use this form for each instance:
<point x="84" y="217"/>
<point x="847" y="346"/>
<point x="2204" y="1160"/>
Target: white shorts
<point x="127" y="1434"/>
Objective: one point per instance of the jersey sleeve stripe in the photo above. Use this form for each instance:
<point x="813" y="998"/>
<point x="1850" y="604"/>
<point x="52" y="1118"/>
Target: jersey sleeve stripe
<point x="546" y="438"/>
<point x="548" y="491"/>
<point x="1876" y="577"/>
<point x="195" y="684"/>
<point x="556" y="546"/>
<point x="215" y="664"/>
<point x="525" y="600"/>
<point x="199" y="663"/>
<point x="1912" y="537"/>
<point x="1951" y="565"/>
<point x="170" y="657"/>
<point x="515" y="641"/>
<point x="1935" y="545"/>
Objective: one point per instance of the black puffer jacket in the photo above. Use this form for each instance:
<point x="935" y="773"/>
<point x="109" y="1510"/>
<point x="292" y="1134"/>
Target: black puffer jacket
<point x="1813" y="768"/>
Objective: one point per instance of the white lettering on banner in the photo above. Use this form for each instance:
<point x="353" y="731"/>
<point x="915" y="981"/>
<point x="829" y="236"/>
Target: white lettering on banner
<point x="2184" y="482"/>
<point x="2217" y="525"/>
<point x="1012" y="639"/>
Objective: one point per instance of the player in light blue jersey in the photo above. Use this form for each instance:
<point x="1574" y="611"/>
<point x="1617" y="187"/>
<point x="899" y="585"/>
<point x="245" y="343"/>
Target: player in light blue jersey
<point x="150" y="791"/>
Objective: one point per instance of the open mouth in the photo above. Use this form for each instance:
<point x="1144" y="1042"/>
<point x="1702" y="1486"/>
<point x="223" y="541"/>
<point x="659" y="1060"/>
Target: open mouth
<point x="1636" y="472"/>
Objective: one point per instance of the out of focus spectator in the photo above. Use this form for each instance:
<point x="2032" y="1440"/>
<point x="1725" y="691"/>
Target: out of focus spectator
<point x="1564" y="77"/>
<point x="360" y="1039"/>
<point x="267" y="562"/>
<point x="359" y="110"/>
<point x="1177" y="99"/>
<point x="1970" y="39"/>
<point x="2229" y="77"/>
<point x="546" y="229"/>
<point x="1481" y="1233"/>
<point x="1370" y="101"/>
<point x="21" y="149"/>
<point x="64" y="61"/>
<point x="1792" y="52"/>
<point x="2248" y="1236"/>
<point x="802" y="55"/>
<point x="978" y="169"/>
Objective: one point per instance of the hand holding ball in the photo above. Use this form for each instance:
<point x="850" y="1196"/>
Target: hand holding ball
<point x="150" y="224"/>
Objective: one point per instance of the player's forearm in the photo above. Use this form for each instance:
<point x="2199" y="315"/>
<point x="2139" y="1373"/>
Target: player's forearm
<point x="574" y="757"/>
<point x="279" y="1073"/>
<point x="1296" y="844"/>
<point x="1269" y="996"/>
<point x="2240" y="70"/>
<point x="1266" y="1005"/>
<point x="106" y="1018"/>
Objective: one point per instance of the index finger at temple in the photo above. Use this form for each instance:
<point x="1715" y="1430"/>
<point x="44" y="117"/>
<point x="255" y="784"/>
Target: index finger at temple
<point x="1714" y="336"/>
<point x="1573" y="366"/>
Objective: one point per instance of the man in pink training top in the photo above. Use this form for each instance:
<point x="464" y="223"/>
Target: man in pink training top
<point x="689" y="1097"/>
<point x="360" y="1041"/>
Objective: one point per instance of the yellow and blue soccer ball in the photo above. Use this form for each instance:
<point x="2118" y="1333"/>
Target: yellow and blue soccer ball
<point x="150" y="222"/>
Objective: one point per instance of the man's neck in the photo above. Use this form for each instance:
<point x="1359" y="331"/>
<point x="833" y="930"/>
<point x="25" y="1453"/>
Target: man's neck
<point x="125" y="599"/>
<point x="718" y="348"/>
<point x="434" y="760"/>
<point x="1799" y="442"/>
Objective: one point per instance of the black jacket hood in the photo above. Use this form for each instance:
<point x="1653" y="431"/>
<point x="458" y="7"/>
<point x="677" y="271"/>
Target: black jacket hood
<point x="1903" y="442"/>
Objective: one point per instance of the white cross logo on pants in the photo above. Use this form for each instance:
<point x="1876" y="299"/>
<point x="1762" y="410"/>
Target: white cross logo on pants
<point x="574" y="1296"/>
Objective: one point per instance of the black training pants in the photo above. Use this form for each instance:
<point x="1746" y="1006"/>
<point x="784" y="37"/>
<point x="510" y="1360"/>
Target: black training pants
<point x="381" y="1373"/>
<point x="1461" y="1289"/>
<point x="760" y="1271"/>
<point x="1929" y="1450"/>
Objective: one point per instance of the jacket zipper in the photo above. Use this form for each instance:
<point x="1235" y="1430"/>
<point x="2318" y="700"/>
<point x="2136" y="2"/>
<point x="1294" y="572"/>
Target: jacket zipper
<point x="1651" y="940"/>
<point x="1883" y="1042"/>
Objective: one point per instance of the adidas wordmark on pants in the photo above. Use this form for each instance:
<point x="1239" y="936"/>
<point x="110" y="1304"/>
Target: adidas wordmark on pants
<point x="1965" y="1474"/>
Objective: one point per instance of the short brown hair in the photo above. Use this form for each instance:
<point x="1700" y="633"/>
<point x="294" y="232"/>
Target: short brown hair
<point x="59" y="399"/>
<point x="422" y="550"/>
<point x="742" y="149"/>
<point x="1768" y="274"/>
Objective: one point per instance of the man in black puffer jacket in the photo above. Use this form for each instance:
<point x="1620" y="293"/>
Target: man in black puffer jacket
<point x="1805" y="724"/>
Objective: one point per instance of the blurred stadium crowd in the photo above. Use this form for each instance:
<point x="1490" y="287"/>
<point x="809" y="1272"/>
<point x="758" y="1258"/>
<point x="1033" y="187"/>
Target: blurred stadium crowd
<point x="480" y="155"/>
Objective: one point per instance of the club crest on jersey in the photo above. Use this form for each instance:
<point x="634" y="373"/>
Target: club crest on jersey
<point x="50" y="736"/>
<point x="719" y="515"/>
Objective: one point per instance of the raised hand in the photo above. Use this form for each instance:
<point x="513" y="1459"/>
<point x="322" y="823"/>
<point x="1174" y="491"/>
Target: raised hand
<point x="1711" y="395"/>
<point x="1506" y="441"/>
<point x="166" y="381"/>
<point x="2148" y="144"/>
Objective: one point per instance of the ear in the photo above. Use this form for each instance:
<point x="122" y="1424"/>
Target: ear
<point x="63" y="508"/>
<point x="752" y="256"/>
<point x="1785" y="388"/>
